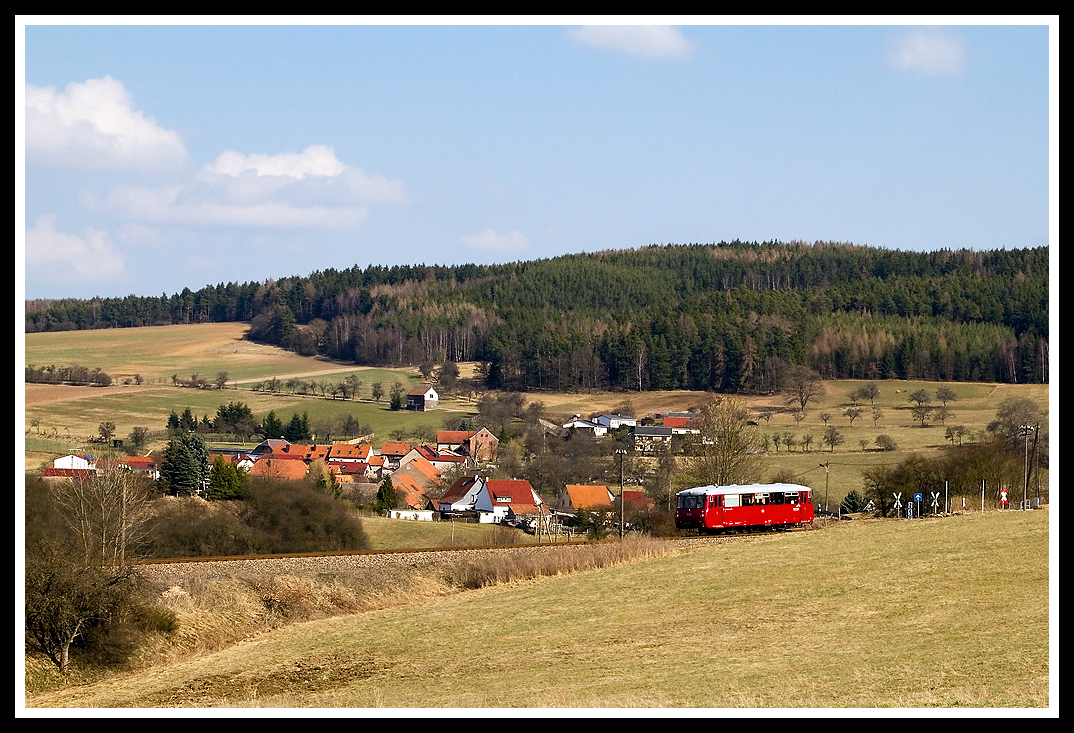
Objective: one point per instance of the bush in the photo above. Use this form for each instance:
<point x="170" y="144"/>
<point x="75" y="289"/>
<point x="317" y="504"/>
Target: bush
<point x="102" y="613"/>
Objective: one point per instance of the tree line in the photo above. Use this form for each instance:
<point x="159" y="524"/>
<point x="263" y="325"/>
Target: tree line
<point x="727" y="317"/>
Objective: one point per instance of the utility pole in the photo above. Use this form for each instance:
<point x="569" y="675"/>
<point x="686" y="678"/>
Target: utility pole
<point x="825" y="466"/>
<point x="622" y="500"/>
<point x="1025" y="474"/>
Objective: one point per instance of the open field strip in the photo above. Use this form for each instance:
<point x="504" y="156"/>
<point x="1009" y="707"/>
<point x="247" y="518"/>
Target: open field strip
<point x="73" y="414"/>
<point x="933" y="613"/>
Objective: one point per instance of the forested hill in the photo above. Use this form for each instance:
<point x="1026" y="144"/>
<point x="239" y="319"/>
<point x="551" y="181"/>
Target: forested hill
<point x="724" y="317"/>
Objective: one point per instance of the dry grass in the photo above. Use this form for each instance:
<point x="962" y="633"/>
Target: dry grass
<point x="869" y="614"/>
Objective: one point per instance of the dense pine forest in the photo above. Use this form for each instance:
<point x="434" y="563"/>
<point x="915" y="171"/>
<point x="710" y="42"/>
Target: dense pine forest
<point x="728" y="317"/>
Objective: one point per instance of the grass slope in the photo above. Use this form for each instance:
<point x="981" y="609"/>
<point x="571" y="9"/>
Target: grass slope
<point x="868" y="614"/>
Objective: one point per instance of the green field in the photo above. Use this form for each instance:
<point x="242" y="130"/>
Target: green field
<point x="877" y="614"/>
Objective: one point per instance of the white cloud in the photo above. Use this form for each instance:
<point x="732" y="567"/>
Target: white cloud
<point x="929" y="52"/>
<point x="650" y="41"/>
<point x="316" y="160"/>
<point x="92" y="125"/>
<point x="311" y="189"/>
<point x="491" y="241"/>
<point x="71" y="258"/>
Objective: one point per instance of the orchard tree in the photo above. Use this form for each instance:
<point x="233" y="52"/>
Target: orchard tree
<point x="921" y="413"/>
<point x="921" y="397"/>
<point x="853" y="413"/>
<point x="107" y="430"/>
<point x="886" y="443"/>
<point x="138" y="437"/>
<point x="833" y="437"/>
<point x="378" y="391"/>
<point x="945" y="395"/>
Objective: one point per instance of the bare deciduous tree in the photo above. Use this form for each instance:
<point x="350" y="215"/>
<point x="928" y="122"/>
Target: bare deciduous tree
<point x="108" y="515"/>
<point x="729" y="450"/>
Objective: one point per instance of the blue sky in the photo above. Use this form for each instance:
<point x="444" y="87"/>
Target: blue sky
<point x="164" y="157"/>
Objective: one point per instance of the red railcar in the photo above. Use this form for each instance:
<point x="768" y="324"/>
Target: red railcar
<point x="712" y="508"/>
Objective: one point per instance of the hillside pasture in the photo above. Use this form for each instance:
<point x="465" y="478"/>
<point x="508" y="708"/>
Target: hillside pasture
<point x="868" y="614"/>
<point x="72" y="414"/>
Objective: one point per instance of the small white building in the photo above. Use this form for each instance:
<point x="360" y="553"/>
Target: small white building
<point x="579" y="424"/>
<point x="82" y="462"/>
<point x="614" y="422"/>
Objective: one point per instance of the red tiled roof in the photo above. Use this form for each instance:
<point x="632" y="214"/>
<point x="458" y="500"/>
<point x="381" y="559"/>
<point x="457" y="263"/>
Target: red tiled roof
<point x="69" y="472"/>
<point x="453" y="437"/>
<point x="589" y="497"/>
<point x="358" y="451"/>
<point x="274" y="467"/>
<point x="396" y="448"/>
<point x="638" y="499"/>
<point x="512" y="490"/>
<point x="411" y="490"/>
<point x="681" y="422"/>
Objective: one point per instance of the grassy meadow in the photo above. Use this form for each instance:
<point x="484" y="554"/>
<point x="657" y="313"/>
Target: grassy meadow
<point x="876" y="614"/>
<point x="392" y="534"/>
<point x="67" y="417"/>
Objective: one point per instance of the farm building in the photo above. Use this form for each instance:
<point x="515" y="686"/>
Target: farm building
<point x="422" y="399"/>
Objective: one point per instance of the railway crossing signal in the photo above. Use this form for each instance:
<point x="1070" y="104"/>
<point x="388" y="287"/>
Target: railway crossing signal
<point x="898" y="504"/>
<point x="935" y="500"/>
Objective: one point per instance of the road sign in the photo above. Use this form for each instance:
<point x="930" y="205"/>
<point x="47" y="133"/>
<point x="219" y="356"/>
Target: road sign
<point x="917" y="497"/>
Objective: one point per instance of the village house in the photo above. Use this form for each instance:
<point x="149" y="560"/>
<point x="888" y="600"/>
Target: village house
<point x="492" y="500"/>
<point x="290" y="468"/>
<point x="350" y="452"/>
<point x="683" y="423"/>
<point x="588" y="427"/>
<point x="650" y="439"/>
<point x="614" y="422"/>
<point x="416" y="466"/>
<point x="596" y="498"/>
<point x="83" y="461"/>
<point x="422" y="399"/>
<point x="480" y="445"/>
<point x="392" y="452"/>
<point x="638" y="500"/>
<point x="410" y="491"/>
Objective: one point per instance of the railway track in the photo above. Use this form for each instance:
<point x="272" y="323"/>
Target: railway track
<point x="343" y="561"/>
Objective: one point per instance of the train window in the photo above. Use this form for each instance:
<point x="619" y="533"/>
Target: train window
<point x="792" y="498"/>
<point x="760" y="499"/>
<point x="776" y="497"/>
<point x="730" y="500"/>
